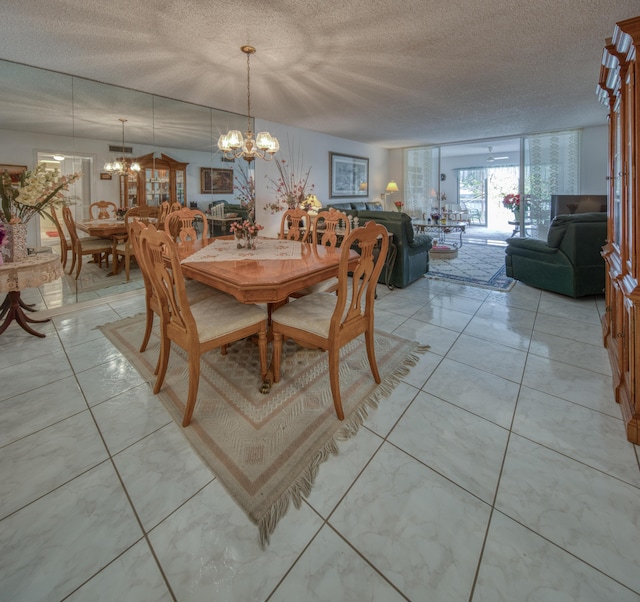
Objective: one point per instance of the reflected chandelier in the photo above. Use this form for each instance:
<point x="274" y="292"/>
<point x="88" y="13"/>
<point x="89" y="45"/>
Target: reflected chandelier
<point x="121" y="167"/>
<point x="234" y="146"/>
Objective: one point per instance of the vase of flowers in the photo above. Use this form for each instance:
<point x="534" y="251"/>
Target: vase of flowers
<point x="512" y="201"/>
<point x="32" y="194"/>
<point x="245" y="187"/>
<point x="291" y="188"/>
<point x="245" y="233"/>
<point x="15" y="247"/>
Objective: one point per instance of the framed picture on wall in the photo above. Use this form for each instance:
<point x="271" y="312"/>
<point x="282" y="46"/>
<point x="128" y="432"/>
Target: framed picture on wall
<point x="348" y="176"/>
<point x="216" y="181"/>
<point x="14" y="171"/>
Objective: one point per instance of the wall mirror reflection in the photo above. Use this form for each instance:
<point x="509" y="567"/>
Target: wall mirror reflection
<point x="75" y="124"/>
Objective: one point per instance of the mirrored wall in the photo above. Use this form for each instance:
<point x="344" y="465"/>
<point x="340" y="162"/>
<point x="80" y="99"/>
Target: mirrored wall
<point x="45" y="114"/>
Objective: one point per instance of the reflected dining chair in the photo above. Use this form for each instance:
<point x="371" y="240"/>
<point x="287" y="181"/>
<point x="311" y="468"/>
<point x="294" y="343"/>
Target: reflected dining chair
<point x="213" y="322"/>
<point x="294" y="225"/>
<point x="329" y="321"/>
<point x="121" y="246"/>
<point x="181" y="225"/>
<point x="103" y="210"/>
<point x="99" y="248"/>
<point x="65" y="243"/>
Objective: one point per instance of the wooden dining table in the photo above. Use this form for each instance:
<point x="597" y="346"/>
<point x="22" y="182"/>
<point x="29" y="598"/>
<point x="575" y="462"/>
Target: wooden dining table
<point x="259" y="277"/>
<point x="103" y="228"/>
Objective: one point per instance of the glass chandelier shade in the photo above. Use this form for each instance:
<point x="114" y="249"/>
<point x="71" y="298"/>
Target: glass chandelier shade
<point x="121" y="166"/>
<point x="234" y="145"/>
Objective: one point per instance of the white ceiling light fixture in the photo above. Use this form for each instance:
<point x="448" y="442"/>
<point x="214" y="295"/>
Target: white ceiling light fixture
<point x="491" y="158"/>
<point x="122" y="166"/>
<point x="234" y="146"/>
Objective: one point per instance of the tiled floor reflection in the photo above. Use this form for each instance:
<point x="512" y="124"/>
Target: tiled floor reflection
<point x="498" y="470"/>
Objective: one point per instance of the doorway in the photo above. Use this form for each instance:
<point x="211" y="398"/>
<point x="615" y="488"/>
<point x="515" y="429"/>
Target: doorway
<point x="79" y="193"/>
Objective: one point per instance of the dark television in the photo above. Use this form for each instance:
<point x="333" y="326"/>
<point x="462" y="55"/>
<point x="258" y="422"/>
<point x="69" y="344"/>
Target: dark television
<point x="563" y="204"/>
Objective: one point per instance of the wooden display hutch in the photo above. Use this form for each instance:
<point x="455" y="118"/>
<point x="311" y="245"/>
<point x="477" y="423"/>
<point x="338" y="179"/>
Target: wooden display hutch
<point x="618" y="89"/>
<point x="159" y="179"/>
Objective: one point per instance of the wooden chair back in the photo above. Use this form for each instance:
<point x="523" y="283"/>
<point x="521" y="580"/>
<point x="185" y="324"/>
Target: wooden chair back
<point x="294" y="225"/>
<point x="353" y="313"/>
<point x="164" y="211"/>
<point x="327" y="225"/>
<point x="329" y="322"/>
<point x="181" y="225"/>
<point x="168" y="285"/>
<point x="70" y="223"/>
<point x="103" y="210"/>
<point x="144" y="213"/>
<point x="65" y="243"/>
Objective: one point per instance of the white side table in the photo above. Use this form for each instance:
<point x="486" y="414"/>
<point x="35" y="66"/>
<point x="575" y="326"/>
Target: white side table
<point x="31" y="272"/>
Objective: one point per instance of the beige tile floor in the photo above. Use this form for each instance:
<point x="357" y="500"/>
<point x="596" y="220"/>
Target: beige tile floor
<point x="498" y="470"/>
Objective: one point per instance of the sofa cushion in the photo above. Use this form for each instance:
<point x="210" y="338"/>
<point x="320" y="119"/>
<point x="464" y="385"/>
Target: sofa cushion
<point x="359" y="206"/>
<point x="340" y="206"/>
<point x="374" y="206"/>
<point x="560" y="224"/>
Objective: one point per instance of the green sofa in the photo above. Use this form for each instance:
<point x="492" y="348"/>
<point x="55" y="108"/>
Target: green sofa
<point x="412" y="250"/>
<point x="568" y="262"/>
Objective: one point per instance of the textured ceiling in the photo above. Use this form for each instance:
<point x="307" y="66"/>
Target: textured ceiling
<point x="392" y="73"/>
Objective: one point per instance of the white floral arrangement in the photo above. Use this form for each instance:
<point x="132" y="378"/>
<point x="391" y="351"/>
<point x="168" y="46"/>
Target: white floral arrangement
<point x="34" y="193"/>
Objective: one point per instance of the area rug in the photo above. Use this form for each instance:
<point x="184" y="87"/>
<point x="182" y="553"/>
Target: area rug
<point x="266" y="449"/>
<point x="480" y="265"/>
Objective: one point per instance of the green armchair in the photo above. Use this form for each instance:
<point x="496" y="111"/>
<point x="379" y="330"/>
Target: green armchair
<point x="569" y="262"/>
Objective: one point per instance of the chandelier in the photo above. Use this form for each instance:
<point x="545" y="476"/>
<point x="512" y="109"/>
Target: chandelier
<point x="234" y="146"/>
<point x="121" y="167"/>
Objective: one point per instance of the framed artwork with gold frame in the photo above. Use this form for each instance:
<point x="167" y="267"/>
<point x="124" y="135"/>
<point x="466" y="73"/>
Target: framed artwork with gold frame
<point x="216" y="181"/>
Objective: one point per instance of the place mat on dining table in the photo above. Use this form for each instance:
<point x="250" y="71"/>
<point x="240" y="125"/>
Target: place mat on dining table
<point x="267" y="449"/>
<point x="266" y="248"/>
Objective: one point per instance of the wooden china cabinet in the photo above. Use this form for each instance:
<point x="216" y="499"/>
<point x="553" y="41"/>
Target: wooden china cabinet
<point x="159" y="179"/>
<point x="618" y="89"/>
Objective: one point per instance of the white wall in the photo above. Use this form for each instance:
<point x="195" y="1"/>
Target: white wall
<point x="594" y="148"/>
<point x="313" y="150"/>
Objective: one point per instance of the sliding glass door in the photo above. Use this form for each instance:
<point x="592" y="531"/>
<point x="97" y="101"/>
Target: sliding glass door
<point x="422" y="180"/>
<point x="476" y="178"/>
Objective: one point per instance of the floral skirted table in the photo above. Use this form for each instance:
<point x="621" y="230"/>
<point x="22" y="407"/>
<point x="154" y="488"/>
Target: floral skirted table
<point x="31" y="272"/>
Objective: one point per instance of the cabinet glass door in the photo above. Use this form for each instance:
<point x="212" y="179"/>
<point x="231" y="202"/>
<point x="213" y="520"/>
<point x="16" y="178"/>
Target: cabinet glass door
<point x="156" y="186"/>
<point x="180" y="188"/>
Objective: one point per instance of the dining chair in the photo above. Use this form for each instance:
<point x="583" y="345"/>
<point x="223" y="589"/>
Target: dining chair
<point x="214" y="322"/>
<point x="329" y="321"/>
<point x="328" y="228"/>
<point x="99" y="248"/>
<point x="122" y="243"/>
<point x="103" y="210"/>
<point x="294" y="225"/>
<point x="196" y="291"/>
<point x="181" y="225"/>
<point x="65" y="243"/>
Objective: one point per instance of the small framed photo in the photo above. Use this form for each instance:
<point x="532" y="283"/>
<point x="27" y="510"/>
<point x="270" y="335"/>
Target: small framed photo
<point x="216" y="181"/>
<point x="104" y="175"/>
<point x="14" y="171"/>
<point x="348" y="176"/>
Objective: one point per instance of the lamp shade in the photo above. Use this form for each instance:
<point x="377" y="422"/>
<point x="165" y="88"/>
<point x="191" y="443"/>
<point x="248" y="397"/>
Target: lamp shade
<point x="392" y="187"/>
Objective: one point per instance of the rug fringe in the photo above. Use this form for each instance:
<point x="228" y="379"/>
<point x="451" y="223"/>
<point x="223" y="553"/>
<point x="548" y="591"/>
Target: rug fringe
<point x="303" y="484"/>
